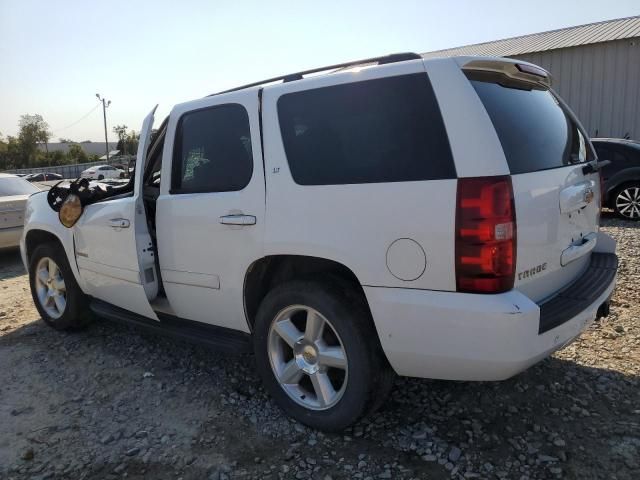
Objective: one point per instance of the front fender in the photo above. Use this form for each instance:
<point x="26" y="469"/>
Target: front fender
<point x="39" y="216"/>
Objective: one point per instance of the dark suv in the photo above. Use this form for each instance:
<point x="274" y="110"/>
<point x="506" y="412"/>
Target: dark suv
<point x="621" y="176"/>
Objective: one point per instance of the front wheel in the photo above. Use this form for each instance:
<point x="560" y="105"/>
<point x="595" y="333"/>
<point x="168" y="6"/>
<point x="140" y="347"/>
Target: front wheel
<point x="626" y="201"/>
<point x="58" y="298"/>
<point x="318" y="355"/>
<point x="100" y="177"/>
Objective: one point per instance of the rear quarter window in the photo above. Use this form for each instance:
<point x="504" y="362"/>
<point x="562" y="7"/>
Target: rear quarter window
<point x="535" y="130"/>
<point x="383" y="130"/>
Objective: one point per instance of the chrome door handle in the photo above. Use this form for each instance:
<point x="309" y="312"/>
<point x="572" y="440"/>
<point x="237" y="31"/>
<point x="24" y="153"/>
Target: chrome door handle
<point x="238" y="220"/>
<point x="119" y="223"/>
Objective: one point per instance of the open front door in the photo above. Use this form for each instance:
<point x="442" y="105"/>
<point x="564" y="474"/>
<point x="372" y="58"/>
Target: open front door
<point x="114" y="251"/>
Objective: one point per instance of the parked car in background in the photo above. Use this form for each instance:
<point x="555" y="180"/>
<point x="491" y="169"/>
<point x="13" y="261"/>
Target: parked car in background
<point x="621" y="176"/>
<point x="14" y="192"/>
<point x="43" y="177"/>
<point x="126" y="171"/>
<point x="101" y="172"/>
<point x="428" y="218"/>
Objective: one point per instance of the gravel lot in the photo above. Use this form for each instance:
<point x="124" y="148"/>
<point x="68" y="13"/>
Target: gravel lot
<point x="112" y="402"/>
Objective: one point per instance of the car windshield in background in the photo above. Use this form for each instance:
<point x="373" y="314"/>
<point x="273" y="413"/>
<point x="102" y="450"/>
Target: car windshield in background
<point x="16" y="186"/>
<point x="535" y="130"/>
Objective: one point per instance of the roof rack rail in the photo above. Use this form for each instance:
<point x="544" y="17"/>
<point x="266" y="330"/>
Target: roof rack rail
<point x="393" y="58"/>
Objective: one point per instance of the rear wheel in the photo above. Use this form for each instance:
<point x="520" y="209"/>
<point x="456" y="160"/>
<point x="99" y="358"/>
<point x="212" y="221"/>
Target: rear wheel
<point x="100" y="177"/>
<point x="626" y="201"/>
<point x="55" y="293"/>
<point x="318" y="354"/>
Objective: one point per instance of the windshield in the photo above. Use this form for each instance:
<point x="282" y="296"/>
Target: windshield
<point x="16" y="186"/>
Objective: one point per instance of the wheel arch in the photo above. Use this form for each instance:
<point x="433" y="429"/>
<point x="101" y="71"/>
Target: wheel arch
<point x="267" y="272"/>
<point x="620" y="179"/>
<point x="37" y="236"/>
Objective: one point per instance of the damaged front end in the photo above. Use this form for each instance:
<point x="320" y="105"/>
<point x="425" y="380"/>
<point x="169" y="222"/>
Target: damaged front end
<point x="69" y="199"/>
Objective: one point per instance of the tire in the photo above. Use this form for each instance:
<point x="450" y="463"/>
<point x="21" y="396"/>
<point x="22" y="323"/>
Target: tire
<point x="100" y="177"/>
<point x="625" y="201"/>
<point x="60" y="282"/>
<point x="359" y="374"/>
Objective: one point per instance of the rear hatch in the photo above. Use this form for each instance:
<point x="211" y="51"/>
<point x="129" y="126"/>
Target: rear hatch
<point x="556" y="198"/>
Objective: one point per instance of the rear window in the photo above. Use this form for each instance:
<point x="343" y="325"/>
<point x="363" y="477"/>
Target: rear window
<point x="535" y="130"/>
<point x="384" y="130"/>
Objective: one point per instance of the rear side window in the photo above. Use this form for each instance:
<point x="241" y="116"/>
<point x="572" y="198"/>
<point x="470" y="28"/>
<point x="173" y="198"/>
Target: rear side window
<point x="384" y="130"/>
<point x="535" y="130"/>
<point x="212" y="151"/>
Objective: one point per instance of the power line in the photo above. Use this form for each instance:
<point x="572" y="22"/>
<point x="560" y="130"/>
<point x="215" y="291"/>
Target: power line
<point x="79" y="120"/>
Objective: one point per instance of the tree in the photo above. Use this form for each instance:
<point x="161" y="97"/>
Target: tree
<point x="76" y="154"/>
<point x="131" y="142"/>
<point x="121" y="132"/>
<point x="65" y="140"/>
<point x="11" y="154"/>
<point x="33" y="130"/>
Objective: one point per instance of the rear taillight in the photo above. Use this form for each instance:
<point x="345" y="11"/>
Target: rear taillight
<point x="485" y="235"/>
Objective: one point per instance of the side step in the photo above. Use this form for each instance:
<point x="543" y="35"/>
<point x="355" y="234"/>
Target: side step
<point x="218" y="338"/>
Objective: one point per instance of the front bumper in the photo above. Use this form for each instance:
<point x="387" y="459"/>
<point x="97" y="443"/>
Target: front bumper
<point x="459" y="336"/>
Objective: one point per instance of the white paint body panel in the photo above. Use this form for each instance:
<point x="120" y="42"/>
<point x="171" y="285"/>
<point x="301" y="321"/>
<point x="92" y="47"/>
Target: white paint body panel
<point x="356" y="224"/>
<point x="544" y="232"/>
<point x="39" y="216"/>
<point x="12" y="219"/>
<point x="460" y="336"/>
<point x="203" y="270"/>
<point x="112" y="260"/>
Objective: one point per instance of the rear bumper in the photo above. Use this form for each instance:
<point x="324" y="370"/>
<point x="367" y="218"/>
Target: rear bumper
<point x="10" y="237"/>
<point x="457" y="336"/>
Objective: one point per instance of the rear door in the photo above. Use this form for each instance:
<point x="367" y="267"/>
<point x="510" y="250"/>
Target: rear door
<point x="113" y="247"/>
<point x="210" y="212"/>
<point x="556" y="199"/>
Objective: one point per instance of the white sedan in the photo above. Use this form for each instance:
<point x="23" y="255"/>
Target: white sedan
<point x="14" y="192"/>
<point x="100" y="172"/>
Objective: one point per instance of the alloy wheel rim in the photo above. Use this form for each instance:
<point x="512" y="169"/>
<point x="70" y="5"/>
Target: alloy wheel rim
<point x="50" y="288"/>
<point x="308" y="357"/>
<point x="628" y="202"/>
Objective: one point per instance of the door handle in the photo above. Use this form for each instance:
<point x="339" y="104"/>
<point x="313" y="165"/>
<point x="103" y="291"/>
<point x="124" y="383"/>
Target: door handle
<point x="238" y="220"/>
<point x="119" y="223"/>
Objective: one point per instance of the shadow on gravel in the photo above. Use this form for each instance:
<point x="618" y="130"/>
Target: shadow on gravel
<point x="116" y="399"/>
<point x="11" y="263"/>
<point x="608" y="218"/>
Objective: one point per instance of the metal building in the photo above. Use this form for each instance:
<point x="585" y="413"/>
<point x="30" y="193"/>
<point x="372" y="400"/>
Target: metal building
<point x="595" y="68"/>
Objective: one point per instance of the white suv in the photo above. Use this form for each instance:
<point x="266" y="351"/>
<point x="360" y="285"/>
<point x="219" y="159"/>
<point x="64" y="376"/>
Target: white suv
<point x="428" y="218"/>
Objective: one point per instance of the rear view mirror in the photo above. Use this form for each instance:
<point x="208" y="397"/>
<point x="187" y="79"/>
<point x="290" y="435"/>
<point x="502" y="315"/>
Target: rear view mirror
<point x="70" y="210"/>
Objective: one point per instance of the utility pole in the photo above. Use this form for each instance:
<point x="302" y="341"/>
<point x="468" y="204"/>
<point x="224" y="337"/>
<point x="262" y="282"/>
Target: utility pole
<point x="105" y="104"/>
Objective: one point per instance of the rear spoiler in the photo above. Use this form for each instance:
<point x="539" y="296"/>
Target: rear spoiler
<point x="521" y="71"/>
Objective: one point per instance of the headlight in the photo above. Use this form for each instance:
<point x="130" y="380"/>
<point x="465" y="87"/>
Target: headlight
<point x="70" y="210"/>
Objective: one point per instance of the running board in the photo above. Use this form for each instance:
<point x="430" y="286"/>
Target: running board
<point x="218" y="338"/>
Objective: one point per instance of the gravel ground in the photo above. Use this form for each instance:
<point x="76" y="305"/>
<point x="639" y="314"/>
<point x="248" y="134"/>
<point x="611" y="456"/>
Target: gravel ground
<point x="112" y="402"/>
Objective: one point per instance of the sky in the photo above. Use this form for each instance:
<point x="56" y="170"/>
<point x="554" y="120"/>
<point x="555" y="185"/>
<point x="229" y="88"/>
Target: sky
<point x="55" y="56"/>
